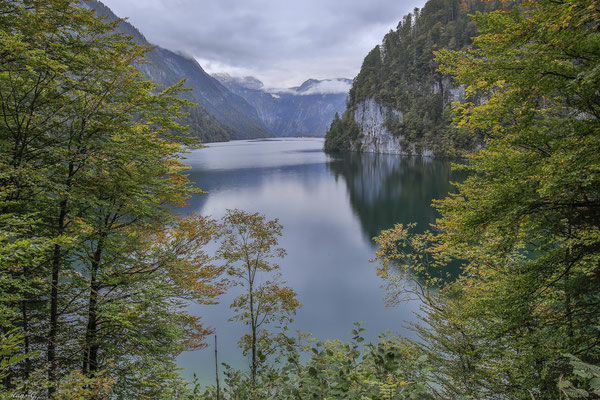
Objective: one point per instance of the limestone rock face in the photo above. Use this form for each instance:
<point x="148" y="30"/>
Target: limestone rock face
<point x="376" y="137"/>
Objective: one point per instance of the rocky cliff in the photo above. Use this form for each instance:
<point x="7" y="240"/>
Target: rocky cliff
<point x="376" y="137"/>
<point x="399" y="103"/>
<point x="376" y="124"/>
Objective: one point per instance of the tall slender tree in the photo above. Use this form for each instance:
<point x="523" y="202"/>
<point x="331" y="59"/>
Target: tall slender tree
<point x="249" y="242"/>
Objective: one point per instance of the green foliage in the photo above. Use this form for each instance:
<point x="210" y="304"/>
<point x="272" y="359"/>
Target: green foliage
<point x="76" y="386"/>
<point x="10" y="344"/>
<point x="407" y="266"/>
<point x="205" y="127"/>
<point x="95" y="270"/>
<point x="248" y="243"/>
<point x="584" y="383"/>
<point x="343" y="134"/>
<point x="525" y="223"/>
<point x="389" y="369"/>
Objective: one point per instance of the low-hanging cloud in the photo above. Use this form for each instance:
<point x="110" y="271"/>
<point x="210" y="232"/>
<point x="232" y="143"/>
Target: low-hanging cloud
<point x="281" y="42"/>
<point x="329" y="86"/>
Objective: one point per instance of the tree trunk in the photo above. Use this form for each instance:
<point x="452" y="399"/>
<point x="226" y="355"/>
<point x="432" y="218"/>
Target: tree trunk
<point x="253" y="365"/>
<point x="26" y="344"/>
<point x="217" y="370"/>
<point x="52" y="332"/>
<point x="253" y="327"/>
<point x="90" y="358"/>
<point x="55" y="272"/>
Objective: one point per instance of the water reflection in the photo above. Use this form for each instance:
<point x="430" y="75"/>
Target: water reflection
<point x="388" y="189"/>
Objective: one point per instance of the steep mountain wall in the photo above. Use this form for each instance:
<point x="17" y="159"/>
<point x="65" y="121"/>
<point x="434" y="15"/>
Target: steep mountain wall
<point x="376" y="137"/>
<point x="399" y="103"/>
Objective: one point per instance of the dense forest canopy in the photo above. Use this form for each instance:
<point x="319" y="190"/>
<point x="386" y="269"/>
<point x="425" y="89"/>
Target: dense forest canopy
<point x="95" y="271"/>
<point x="525" y="223"/>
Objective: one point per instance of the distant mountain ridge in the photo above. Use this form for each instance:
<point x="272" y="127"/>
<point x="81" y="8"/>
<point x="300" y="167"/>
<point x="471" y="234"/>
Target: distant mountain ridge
<point x="220" y="114"/>
<point x="305" y="110"/>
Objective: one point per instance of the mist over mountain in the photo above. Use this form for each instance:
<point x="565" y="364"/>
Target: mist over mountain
<point x="305" y="110"/>
<point x="230" y="108"/>
<point x="220" y="115"/>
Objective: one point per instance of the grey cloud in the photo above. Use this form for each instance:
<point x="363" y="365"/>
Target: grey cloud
<point x="282" y="42"/>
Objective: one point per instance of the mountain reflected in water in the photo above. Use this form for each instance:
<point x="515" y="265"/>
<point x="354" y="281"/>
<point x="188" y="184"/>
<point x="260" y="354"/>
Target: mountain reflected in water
<point x="388" y="189"/>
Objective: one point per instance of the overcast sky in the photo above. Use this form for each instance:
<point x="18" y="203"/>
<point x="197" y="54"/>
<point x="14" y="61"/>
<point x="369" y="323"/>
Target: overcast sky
<point x="281" y="42"/>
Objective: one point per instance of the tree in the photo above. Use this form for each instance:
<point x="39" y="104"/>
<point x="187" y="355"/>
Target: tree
<point x="249" y="242"/>
<point x="90" y="155"/>
<point x="143" y="286"/>
<point x="525" y="224"/>
<point x="44" y="58"/>
<point x="343" y="134"/>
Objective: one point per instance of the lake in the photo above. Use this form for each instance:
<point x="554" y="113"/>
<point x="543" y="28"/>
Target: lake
<point x="330" y="207"/>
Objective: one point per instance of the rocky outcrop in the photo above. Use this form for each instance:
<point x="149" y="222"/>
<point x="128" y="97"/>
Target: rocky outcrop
<point x="401" y="102"/>
<point x="450" y="93"/>
<point x="373" y="120"/>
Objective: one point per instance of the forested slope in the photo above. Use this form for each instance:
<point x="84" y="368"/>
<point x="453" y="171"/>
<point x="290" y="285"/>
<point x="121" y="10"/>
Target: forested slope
<point x="218" y="115"/>
<point x="98" y="275"/>
<point x="399" y="102"/>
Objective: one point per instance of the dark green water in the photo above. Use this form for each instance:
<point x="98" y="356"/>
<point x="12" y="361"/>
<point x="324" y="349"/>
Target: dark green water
<point x="330" y="208"/>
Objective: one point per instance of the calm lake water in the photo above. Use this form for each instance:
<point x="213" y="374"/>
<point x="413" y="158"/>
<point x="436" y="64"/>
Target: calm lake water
<point x="331" y="207"/>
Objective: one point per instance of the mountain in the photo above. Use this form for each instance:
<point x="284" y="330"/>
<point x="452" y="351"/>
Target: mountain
<point x="220" y="115"/>
<point x="399" y="103"/>
<point x="305" y="110"/>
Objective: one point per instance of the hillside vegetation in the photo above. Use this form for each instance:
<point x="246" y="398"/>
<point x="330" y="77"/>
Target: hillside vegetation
<point x="99" y="275"/>
<point x="402" y="74"/>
